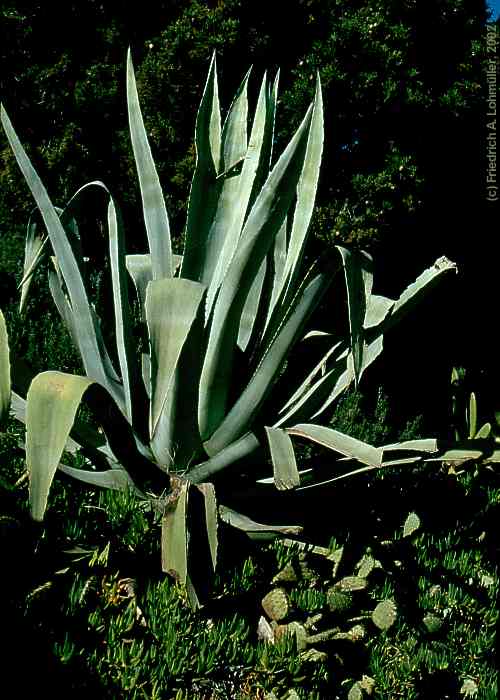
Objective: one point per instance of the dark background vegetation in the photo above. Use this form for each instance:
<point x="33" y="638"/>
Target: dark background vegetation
<point x="403" y="171"/>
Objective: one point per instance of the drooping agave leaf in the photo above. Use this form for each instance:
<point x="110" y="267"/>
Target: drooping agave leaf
<point x="227" y="457"/>
<point x="211" y="518"/>
<point x="205" y="186"/>
<point x="171" y="309"/>
<point x="415" y="291"/>
<point x="262" y="224"/>
<point x="115" y="479"/>
<point x="339" y="442"/>
<point x="240" y="416"/>
<point x="253" y="529"/>
<point x="286" y="474"/>
<point x="85" y="320"/>
<point x="5" y="388"/>
<point x="52" y="402"/>
<point x="174" y="532"/>
<point x="359" y="280"/>
<point x="153" y="203"/>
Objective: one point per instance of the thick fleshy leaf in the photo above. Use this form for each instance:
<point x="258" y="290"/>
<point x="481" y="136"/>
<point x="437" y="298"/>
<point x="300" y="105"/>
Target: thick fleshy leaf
<point x="286" y="475"/>
<point x="153" y="203"/>
<point x="226" y="226"/>
<point x="211" y="519"/>
<point x="236" y="193"/>
<point x="224" y="459"/>
<point x="251" y="308"/>
<point x="114" y="479"/>
<point x="4" y="371"/>
<point x="241" y="415"/>
<point x="139" y="268"/>
<point x="174" y="532"/>
<point x="377" y="310"/>
<point x="52" y="402"/>
<point x="254" y="529"/>
<point x="171" y="309"/>
<point x="205" y="186"/>
<point x="339" y="442"/>
<point x="306" y="194"/>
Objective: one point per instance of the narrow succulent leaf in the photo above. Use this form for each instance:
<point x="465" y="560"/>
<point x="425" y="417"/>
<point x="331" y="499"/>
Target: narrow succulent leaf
<point x="52" y="402"/>
<point x="224" y="459"/>
<point x="339" y="442"/>
<point x="279" y="262"/>
<point x="241" y="415"/>
<point x="235" y="199"/>
<point x="5" y="388"/>
<point x="306" y="193"/>
<point x="483" y="432"/>
<point x="139" y="269"/>
<point x="346" y="475"/>
<point x="153" y="203"/>
<point x="174" y="535"/>
<point x="171" y="308"/>
<point x="264" y="220"/>
<point x="286" y="474"/>
<point x="472" y="416"/>
<point x="211" y="519"/>
<point x="251" y="308"/>
<point x="146" y="372"/>
<point x="205" y="187"/>
<point x="85" y="320"/>
<point x="243" y="522"/>
<point x="358" y="272"/>
<point x="114" y="479"/>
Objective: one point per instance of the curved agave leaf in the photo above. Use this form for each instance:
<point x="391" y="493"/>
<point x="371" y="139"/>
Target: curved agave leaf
<point x="205" y="186"/>
<point x="339" y="442"/>
<point x="114" y="479"/>
<point x="52" y="402"/>
<point x="33" y="255"/>
<point x="5" y="388"/>
<point x="153" y="203"/>
<point x="227" y="457"/>
<point x="286" y="475"/>
<point x="256" y="530"/>
<point x="377" y="310"/>
<point x="139" y="269"/>
<point x="91" y="348"/>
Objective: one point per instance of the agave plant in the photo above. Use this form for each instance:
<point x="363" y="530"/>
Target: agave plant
<point x="220" y="319"/>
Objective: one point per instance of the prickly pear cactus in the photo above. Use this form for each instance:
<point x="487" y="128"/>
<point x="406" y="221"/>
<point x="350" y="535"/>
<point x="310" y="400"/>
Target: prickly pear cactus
<point x="276" y="604"/>
<point x="384" y="615"/>
<point x="339" y="602"/>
